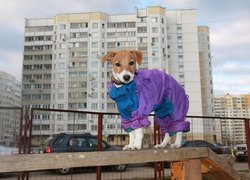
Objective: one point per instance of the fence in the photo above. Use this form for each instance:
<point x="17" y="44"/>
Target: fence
<point x="40" y="124"/>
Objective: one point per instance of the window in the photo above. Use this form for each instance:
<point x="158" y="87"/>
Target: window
<point x="93" y="127"/>
<point x="121" y="25"/>
<point x="142" y="40"/>
<point x="94" y="25"/>
<point x="94" y="105"/>
<point x="72" y="105"/>
<point x="59" y="141"/>
<point x="155" y="40"/>
<point x="83" y="74"/>
<point x="154" y="19"/>
<point x="111" y="105"/>
<point x="62" y="46"/>
<point x="180" y="56"/>
<point x="61" y="55"/>
<point x="111" y="34"/>
<point x="61" y="75"/>
<point x="72" y="64"/>
<point x="156" y="60"/>
<point x="94" y="44"/>
<point x="82" y="64"/>
<point x="154" y="29"/>
<point x="62" y="26"/>
<point x="72" y="85"/>
<point x="142" y="19"/>
<point x="131" y="43"/>
<point x="142" y="29"/>
<point x="73" y="74"/>
<point x="60" y="96"/>
<point x="131" y="33"/>
<point x="62" y="36"/>
<point x="180" y="49"/>
<point x="48" y="57"/>
<point x="82" y="105"/>
<point x="94" y="64"/>
<point x="61" y="66"/>
<point x="77" y="25"/>
<point x="94" y="95"/>
<point x="179" y="29"/>
<point x="95" y="34"/>
<point x="130" y="24"/>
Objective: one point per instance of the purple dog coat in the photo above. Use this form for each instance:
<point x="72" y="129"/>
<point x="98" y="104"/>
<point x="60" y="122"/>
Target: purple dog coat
<point x="152" y="90"/>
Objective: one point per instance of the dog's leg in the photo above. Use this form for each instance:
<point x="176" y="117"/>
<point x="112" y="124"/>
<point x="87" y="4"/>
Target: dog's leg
<point x="138" y="138"/>
<point x="164" y="142"/>
<point x="178" y="140"/>
<point x="130" y="146"/>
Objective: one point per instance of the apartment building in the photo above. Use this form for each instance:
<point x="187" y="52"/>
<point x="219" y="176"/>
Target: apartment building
<point x="62" y="68"/>
<point x="205" y="59"/>
<point x="236" y="106"/>
<point x="10" y="96"/>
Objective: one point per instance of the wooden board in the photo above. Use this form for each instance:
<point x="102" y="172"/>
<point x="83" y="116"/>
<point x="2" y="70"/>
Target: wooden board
<point x="210" y="163"/>
<point x="31" y="162"/>
<point x="219" y="167"/>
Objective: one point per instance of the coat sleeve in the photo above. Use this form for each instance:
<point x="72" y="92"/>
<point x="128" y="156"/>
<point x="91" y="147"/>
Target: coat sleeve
<point x="151" y="92"/>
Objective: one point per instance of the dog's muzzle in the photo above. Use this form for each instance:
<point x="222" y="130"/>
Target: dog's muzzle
<point x="126" y="77"/>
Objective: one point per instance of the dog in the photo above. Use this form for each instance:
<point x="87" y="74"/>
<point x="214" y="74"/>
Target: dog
<point x="138" y="93"/>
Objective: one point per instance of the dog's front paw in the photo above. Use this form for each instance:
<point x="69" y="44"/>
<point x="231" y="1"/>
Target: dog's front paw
<point x="175" y="145"/>
<point x="159" y="146"/>
<point x="128" y="148"/>
<point x="137" y="147"/>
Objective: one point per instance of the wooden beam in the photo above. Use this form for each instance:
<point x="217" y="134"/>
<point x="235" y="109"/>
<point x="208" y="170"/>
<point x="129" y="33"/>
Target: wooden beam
<point x="32" y="162"/>
<point x="219" y="167"/>
<point x="189" y="169"/>
<point x="189" y="158"/>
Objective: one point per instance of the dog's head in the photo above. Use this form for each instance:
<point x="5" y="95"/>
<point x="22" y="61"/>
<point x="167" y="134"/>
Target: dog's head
<point x="124" y="64"/>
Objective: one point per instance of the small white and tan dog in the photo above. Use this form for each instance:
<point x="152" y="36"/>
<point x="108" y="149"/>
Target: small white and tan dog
<point x="138" y="93"/>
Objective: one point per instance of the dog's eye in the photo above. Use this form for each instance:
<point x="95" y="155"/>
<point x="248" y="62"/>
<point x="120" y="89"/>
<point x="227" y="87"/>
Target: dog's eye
<point x="117" y="64"/>
<point x="131" y="63"/>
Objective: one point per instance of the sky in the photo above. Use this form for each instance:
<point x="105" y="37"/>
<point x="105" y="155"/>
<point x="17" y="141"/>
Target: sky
<point x="228" y="20"/>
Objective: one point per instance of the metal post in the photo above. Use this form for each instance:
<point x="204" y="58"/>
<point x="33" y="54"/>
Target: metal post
<point x="155" y="164"/>
<point x="20" y="138"/>
<point x="247" y="133"/>
<point x="158" y="166"/>
<point x="98" y="168"/>
<point x="30" y="129"/>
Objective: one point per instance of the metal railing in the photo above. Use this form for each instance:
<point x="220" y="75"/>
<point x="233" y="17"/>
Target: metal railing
<point x="36" y="124"/>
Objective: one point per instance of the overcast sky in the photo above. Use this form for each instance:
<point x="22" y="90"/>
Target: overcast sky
<point x="228" y="20"/>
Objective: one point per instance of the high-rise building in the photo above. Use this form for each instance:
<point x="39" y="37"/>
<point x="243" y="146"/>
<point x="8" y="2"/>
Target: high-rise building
<point x="211" y="126"/>
<point x="206" y="71"/>
<point x="10" y="96"/>
<point x="236" y="106"/>
<point x="62" y="68"/>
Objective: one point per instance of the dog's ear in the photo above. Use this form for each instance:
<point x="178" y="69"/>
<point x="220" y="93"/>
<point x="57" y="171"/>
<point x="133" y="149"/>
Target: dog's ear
<point x="109" y="56"/>
<point x="138" y="56"/>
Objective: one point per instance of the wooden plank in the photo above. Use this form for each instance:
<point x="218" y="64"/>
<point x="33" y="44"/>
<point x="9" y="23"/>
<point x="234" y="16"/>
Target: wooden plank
<point x="32" y="162"/>
<point x="221" y="166"/>
<point x="177" y="171"/>
<point x="192" y="169"/>
<point x="189" y="169"/>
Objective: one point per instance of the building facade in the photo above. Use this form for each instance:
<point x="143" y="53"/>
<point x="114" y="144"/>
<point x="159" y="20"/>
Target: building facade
<point x="10" y="96"/>
<point x="211" y="127"/>
<point x="62" y="68"/>
<point x="235" y="106"/>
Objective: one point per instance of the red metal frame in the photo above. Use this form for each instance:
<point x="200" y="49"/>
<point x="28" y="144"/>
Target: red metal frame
<point x="99" y="136"/>
<point x="159" y="168"/>
<point x="247" y="131"/>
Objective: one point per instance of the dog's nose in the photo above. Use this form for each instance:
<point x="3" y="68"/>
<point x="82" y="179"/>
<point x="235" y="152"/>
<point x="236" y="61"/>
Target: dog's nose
<point x="126" y="77"/>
